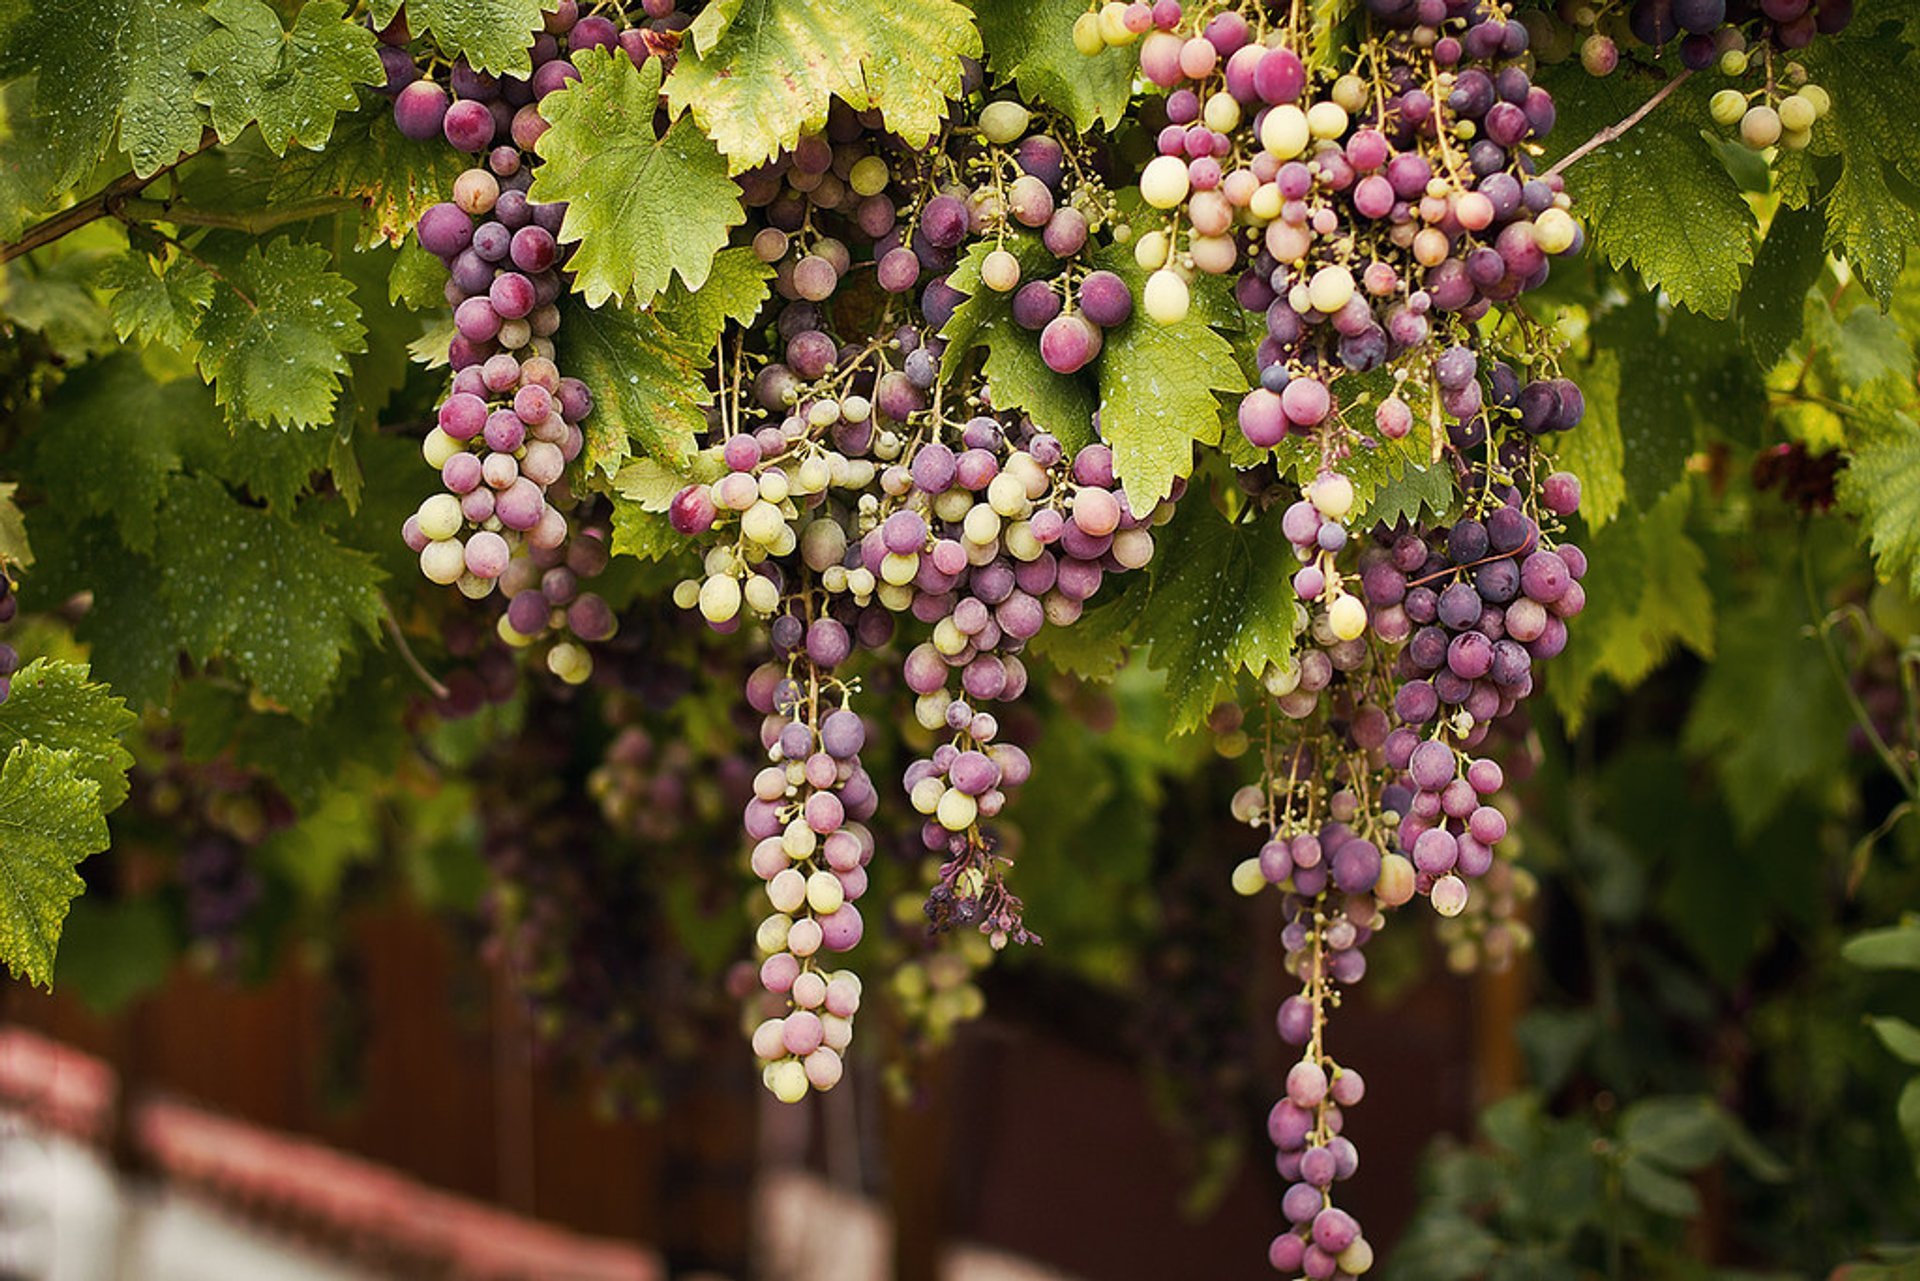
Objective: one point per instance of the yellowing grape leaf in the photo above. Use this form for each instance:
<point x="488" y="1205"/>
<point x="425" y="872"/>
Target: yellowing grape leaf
<point x="762" y="72"/>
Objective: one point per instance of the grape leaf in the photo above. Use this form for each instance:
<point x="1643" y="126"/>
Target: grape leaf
<point x="1593" y="451"/>
<point x="647" y="535"/>
<point x="1868" y="346"/>
<point x="1764" y="720"/>
<point x="291" y="83"/>
<point x="55" y="299"/>
<point x="640" y="206"/>
<point x="368" y="159"/>
<point x="55" y="705"/>
<point x="1015" y="375"/>
<point x="1900" y="1037"/>
<point x="1222" y="603"/>
<point x="1773" y="301"/>
<point x="280" y="598"/>
<point x="1895" y="947"/>
<point x="1658" y="198"/>
<point x="113" y="950"/>
<point x="1646" y="592"/>
<point x="762" y="72"/>
<point x="1095" y="647"/>
<point x="156" y="302"/>
<point x="50" y="819"/>
<point x="418" y="279"/>
<point x="1416" y="487"/>
<point x="735" y="289"/>
<point x="1881" y="486"/>
<point x="14" y="547"/>
<point x="109" y="441"/>
<point x="1657" y="433"/>
<point x="275" y="338"/>
<point x="159" y="118"/>
<point x="492" y="35"/>
<point x="129" y="632"/>
<point x="1873" y="208"/>
<point x="1030" y="42"/>
<point x="1157" y="385"/>
<point x="647" y="384"/>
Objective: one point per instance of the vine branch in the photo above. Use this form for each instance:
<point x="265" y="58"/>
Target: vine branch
<point x="100" y="204"/>
<point x="1614" y="131"/>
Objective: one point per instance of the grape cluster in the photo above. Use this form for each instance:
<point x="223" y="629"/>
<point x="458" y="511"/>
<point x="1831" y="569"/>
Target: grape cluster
<point x="1748" y="42"/>
<point x="9" y="657"/>
<point x="510" y="422"/>
<point x="1364" y="216"/>
<point x="807" y="818"/>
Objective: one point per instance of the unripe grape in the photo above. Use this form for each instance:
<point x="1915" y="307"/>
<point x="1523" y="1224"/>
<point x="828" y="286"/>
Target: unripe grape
<point x="786" y="1080"/>
<point x="1796" y="113"/>
<point x="1163" y="183"/>
<point x="1166" y="297"/>
<point x="1003" y="122"/>
<point x="1555" y="231"/>
<point x="1348" y="617"/>
<point x="1247" y="878"/>
<point x="1326" y="120"/>
<point x="720" y="599"/>
<point x="1727" y="106"/>
<point x="1087" y="37"/>
<point x="1285" y="132"/>
<point x="1000" y="271"/>
<point x="1760" y="127"/>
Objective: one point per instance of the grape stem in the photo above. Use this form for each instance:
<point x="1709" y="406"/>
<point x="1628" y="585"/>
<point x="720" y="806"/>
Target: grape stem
<point x="103" y="202"/>
<point x="407" y="655"/>
<point x="1614" y="131"/>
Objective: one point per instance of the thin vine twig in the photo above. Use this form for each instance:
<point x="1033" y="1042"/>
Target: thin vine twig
<point x="99" y="205"/>
<point x="1614" y="131"/>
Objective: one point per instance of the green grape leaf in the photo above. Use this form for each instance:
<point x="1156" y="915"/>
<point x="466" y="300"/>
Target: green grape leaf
<point x="1873" y="207"/>
<point x="1593" y="451"/>
<point x="1677" y="1133"/>
<point x="641" y="207"/>
<point x="55" y="705"/>
<point x="1657" y="434"/>
<point x="56" y="300"/>
<point x="1646" y="592"/>
<point x="1658" y="199"/>
<point x="1658" y="1190"/>
<point x="1030" y="42"/>
<point x="14" y="547"/>
<point x="50" y="819"/>
<point x="1417" y="487"/>
<point x="113" y="950"/>
<point x="1773" y="302"/>
<point x="109" y="440"/>
<point x="647" y="384"/>
<point x="1157" y="385"/>
<point x="155" y="302"/>
<point x="492" y="35"/>
<point x="641" y="532"/>
<point x="1219" y="606"/>
<point x="1881" y="486"/>
<point x="1095" y="647"/>
<point x="1015" y="375"/>
<point x="762" y="72"/>
<point x="368" y="159"/>
<point x="291" y="83"/>
<point x="1868" y="346"/>
<point x="279" y="598"/>
<point x="418" y="279"/>
<point x="274" y="340"/>
<point x="132" y="641"/>
<point x="1900" y="1037"/>
<point x="1757" y="721"/>
<point x="160" y="121"/>
<point x="734" y="291"/>
<point x="1895" y="947"/>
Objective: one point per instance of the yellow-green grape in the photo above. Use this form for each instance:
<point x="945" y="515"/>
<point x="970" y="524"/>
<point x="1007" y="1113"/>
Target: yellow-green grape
<point x="720" y="599"/>
<point x="1267" y="202"/>
<point x="1247" y="805"/>
<point x="686" y="593"/>
<point x="1348" y="617"/>
<point x="1152" y="250"/>
<point x="1449" y="895"/>
<point x="860" y="581"/>
<point x="1821" y="100"/>
<point x="1326" y="120"/>
<point x="443" y="562"/>
<point x="1000" y="271"/>
<point x="438" y="447"/>
<point x="1356" y="1259"/>
<point x="1163" y="183"/>
<point x="1331" y="496"/>
<point x="762" y="522"/>
<point x="1284" y="133"/>
<point x="786" y="1079"/>
<point x="1166" y="297"/>
<point x="1247" y="879"/>
<point x="1330" y="289"/>
<point x="1113" y="24"/>
<point x="1797" y="113"/>
<point x="825" y="894"/>
<point x="1021" y="542"/>
<point x="1222" y="112"/>
<point x="798" y="840"/>
<point x="1282" y="678"/>
<point x="956" y="810"/>
<point x="1397" y="880"/>
<point x="981" y="526"/>
<point x="761" y="595"/>
<point x="1727" y="106"/>
<point x="1554" y="231"/>
<point x="1760" y="127"/>
<point x="1086" y="34"/>
<point x="1350" y="92"/>
<point x="948" y="638"/>
<point x="926" y="795"/>
<point x="869" y="176"/>
<point x="930" y="710"/>
<point x="1796" y="139"/>
<point x="771" y="934"/>
<point x="439" y="517"/>
<point x="1003" y="122"/>
<point x="952" y="504"/>
<point x="1007" y="495"/>
<point x="570" y="662"/>
<point x="1733" y="63"/>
